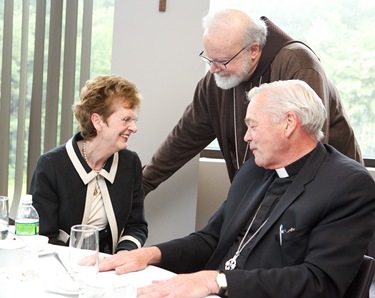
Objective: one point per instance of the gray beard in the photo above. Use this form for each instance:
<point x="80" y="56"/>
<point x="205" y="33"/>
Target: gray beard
<point x="233" y="80"/>
<point x="227" y="82"/>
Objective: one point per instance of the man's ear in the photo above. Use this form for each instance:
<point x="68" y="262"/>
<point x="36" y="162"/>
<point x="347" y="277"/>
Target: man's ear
<point x="291" y="122"/>
<point x="254" y="50"/>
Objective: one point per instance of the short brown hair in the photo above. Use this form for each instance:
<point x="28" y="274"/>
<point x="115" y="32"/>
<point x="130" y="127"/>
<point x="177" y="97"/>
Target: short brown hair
<point x="98" y="95"/>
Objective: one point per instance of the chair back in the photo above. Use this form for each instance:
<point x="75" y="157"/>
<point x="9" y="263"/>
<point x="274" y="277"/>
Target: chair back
<point x="360" y="286"/>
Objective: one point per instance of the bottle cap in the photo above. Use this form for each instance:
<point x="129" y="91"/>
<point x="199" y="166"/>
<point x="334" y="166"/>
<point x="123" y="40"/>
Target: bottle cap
<point x="27" y="199"/>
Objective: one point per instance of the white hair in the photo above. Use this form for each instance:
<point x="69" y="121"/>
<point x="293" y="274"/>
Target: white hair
<point x="253" y="30"/>
<point x="294" y="96"/>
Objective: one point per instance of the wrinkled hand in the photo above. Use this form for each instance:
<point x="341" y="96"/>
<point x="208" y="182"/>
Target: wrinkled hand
<point x="129" y="261"/>
<point x="199" y="284"/>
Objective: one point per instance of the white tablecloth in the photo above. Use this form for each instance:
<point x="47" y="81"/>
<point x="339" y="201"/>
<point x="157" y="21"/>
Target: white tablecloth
<point x="46" y="277"/>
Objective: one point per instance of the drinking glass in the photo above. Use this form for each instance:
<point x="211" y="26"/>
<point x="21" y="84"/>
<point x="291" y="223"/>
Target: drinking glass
<point x="4" y="217"/>
<point x="84" y="252"/>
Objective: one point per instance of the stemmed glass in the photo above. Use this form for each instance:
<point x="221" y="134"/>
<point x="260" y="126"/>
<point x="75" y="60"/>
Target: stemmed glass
<point x="84" y="252"/>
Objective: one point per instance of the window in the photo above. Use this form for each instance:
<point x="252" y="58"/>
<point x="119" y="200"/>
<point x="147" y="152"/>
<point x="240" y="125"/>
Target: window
<point x="48" y="49"/>
<point x="340" y="34"/>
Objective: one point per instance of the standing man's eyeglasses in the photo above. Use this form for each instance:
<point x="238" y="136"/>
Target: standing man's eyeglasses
<point x="219" y="64"/>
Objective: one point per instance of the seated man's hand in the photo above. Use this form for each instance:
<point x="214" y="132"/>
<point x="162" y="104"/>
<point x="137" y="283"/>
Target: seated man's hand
<point x="129" y="261"/>
<point x="199" y="284"/>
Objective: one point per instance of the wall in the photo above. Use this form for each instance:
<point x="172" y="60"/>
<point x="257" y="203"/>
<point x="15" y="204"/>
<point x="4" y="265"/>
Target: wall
<point x="159" y="52"/>
<point x="212" y="188"/>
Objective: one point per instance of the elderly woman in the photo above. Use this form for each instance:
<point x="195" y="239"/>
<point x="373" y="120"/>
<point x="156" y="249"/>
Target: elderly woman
<point x="93" y="179"/>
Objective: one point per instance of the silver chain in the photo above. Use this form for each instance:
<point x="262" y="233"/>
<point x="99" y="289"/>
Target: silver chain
<point x="232" y="262"/>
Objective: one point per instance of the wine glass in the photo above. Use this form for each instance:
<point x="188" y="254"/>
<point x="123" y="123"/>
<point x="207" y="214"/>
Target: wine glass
<point x="84" y="252"/>
<point x="4" y="217"/>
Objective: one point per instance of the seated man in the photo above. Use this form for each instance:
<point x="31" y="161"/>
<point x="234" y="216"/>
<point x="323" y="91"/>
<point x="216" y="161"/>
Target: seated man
<point x="297" y="220"/>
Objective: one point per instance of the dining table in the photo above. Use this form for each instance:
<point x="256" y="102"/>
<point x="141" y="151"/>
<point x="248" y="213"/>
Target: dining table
<point x="48" y="276"/>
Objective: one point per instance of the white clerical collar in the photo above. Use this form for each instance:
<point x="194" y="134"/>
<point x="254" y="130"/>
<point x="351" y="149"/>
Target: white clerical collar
<point x="282" y="173"/>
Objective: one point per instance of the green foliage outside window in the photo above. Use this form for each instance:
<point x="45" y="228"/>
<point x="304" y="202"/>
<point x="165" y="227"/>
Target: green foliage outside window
<point x="101" y="54"/>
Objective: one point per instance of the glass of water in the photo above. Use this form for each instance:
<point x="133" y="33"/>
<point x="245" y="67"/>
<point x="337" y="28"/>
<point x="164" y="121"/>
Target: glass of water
<point x="84" y="252"/>
<point x="4" y="217"/>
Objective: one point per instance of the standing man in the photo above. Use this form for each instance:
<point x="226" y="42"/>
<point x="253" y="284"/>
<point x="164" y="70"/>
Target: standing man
<point x="243" y="53"/>
<point x="297" y="220"/>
